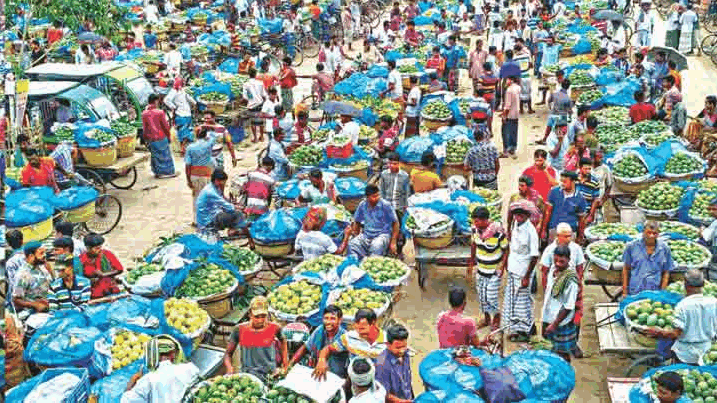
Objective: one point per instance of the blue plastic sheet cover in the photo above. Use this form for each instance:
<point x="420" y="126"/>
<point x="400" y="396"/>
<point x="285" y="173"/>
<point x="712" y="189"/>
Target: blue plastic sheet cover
<point x="358" y="155"/>
<point x="582" y="46"/>
<point x="411" y="149"/>
<point x="224" y="88"/>
<point x="275" y="226"/>
<point x="666" y="297"/>
<point x="652" y="160"/>
<point x="439" y="371"/>
<point x="582" y="66"/>
<point x="368" y="117"/>
<point x="350" y="187"/>
<point x="127" y="313"/>
<point x="84" y="140"/>
<point x="110" y="388"/>
<point x="441" y="396"/>
<point x="290" y="189"/>
<point x="129" y="55"/>
<point x="74" y="197"/>
<point x="638" y="396"/>
<point x="608" y="76"/>
<point x="423" y="6"/>
<point x="683" y="213"/>
<point x="28" y="213"/>
<point x="230" y="65"/>
<point x="67" y="339"/>
<point x="359" y="85"/>
<point x="365" y="281"/>
<point x="448" y="133"/>
<point x="31" y="194"/>
<point x="377" y="71"/>
<point x="467" y="194"/>
<point x="620" y="93"/>
<point x="667" y="150"/>
<point x="194" y="247"/>
<point x="542" y="375"/>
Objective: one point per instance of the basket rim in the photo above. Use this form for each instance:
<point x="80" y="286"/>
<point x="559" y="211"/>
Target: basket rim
<point x="600" y="262"/>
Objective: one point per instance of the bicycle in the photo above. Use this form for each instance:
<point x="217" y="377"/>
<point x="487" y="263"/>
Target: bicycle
<point x="107" y="208"/>
<point x="280" y="46"/>
<point x="708" y="46"/>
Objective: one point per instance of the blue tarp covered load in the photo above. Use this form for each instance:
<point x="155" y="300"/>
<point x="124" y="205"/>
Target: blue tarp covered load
<point x="29" y="213"/>
<point x="29" y="195"/>
<point x="275" y="226"/>
<point x="229" y="65"/>
<point x="377" y="71"/>
<point x="439" y="371"/>
<point x="194" y="247"/>
<point x="290" y="189"/>
<point x="542" y="375"/>
<point x="111" y="387"/>
<point x="224" y="88"/>
<point x="218" y="38"/>
<point x="609" y="75"/>
<point x="619" y="94"/>
<point x="271" y="26"/>
<point x="350" y="187"/>
<point x="86" y="136"/>
<point x="129" y="55"/>
<point x="411" y="149"/>
<point x="74" y="197"/>
<point x="359" y="85"/>
<point x="582" y="47"/>
<point x="440" y="396"/>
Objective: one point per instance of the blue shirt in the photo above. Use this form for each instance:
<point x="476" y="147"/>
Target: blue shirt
<point x="551" y="54"/>
<point x="452" y="55"/>
<point x="646" y="270"/>
<point x="338" y="362"/>
<point x="537" y="35"/>
<point x="589" y="190"/>
<point x="395" y="376"/>
<point x="210" y="203"/>
<point x="199" y="154"/>
<point x="659" y="71"/>
<point x="278" y="155"/>
<point x="150" y="41"/>
<point x="60" y="297"/>
<point x="566" y="209"/>
<point x="377" y="220"/>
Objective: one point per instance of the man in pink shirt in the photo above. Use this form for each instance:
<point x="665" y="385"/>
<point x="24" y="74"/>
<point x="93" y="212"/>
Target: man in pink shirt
<point x="454" y="329"/>
<point x="511" y="111"/>
<point x="155" y="130"/>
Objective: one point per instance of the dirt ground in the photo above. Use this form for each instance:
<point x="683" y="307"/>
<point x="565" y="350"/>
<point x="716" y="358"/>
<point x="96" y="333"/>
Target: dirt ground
<point x="155" y="208"/>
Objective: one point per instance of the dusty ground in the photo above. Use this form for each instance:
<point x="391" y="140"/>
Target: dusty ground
<point x="155" y="208"/>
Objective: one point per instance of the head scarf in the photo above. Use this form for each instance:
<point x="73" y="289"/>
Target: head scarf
<point x="178" y="83"/>
<point x="361" y="379"/>
<point x="161" y="344"/>
<point x="318" y="214"/>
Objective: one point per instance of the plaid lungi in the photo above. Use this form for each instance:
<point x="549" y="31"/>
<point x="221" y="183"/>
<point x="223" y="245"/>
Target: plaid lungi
<point x="564" y="338"/>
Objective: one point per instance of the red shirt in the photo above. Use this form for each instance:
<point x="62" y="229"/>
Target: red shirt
<point x="43" y="176"/>
<point x="268" y="79"/>
<point x="541" y="184"/>
<point x="412" y="37"/>
<point x="92" y="265"/>
<point x="436" y="62"/>
<point x="155" y="126"/>
<point x="288" y="78"/>
<point x="53" y="35"/>
<point x="642" y="111"/>
<point x="390" y="133"/>
<point x="246" y="336"/>
<point x="455" y="330"/>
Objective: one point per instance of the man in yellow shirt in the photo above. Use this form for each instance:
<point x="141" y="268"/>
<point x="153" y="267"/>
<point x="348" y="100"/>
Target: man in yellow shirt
<point x="424" y="179"/>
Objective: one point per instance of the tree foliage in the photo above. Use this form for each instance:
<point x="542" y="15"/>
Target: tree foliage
<point x="106" y="18"/>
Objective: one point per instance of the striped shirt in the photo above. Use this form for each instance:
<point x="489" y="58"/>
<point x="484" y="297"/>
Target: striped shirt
<point x="60" y="297"/>
<point x="258" y="190"/>
<point x="62" y="154"/>
<point x="589" y="189"/>
<point x="489" y="251"/>
<point x="199" y="153"/>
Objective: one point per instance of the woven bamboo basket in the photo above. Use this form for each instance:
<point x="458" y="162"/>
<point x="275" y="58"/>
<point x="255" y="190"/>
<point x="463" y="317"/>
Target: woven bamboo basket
<point x="218" y="305"/>
<point x="100" y="157"/>
<point x="360" y="173"/>
<point x="216" y="107"/>
<point x="644" y="340"/>
<point x="436" y="243"/>
<point x="632" y="188"/>
<point x="81" y="214"/>
<point x="435" y="124"/>
<point x="126" y="145"/>
<point x="36" y="232"/>
<point x="200" y="20"/>
<point x="277" y="249"/>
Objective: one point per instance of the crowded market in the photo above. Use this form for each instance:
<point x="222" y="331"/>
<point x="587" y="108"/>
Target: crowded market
<point x="264" y="201"/>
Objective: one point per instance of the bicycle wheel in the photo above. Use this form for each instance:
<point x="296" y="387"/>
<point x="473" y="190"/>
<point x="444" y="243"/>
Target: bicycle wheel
<point x="310" y="46"/>
<point x="126" y="181"/>
<point x="94" y="178"/>
<point x="108" y="212"/>
<point x="709" y="44"/>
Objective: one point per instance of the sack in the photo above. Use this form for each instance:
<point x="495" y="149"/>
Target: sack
<point x="500" y="386"/>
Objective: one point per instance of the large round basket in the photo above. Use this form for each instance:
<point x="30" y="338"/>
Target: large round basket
<point x="682" y="177"/>
<point x="658" y="215"/>
<point x="439" y="241"/>
<point x="219" y="305"/>
<point x="100" y="157"/>
<point x="576" y="91"/>
<point x="36" y="232"/>
<point x="356" y="172"/>
<point x="435" y="124"/>
<point x="632" y="187"/>
<point x="644" y="340"/>
<point x="218" y="107"/>
<point x="200" y="20"/>
<point x="151" y="67"/>
<point x="409" y="166"/>
<point x="81" y="214"/>
<point x="126" y="146"/>
<point x="189" y="394"/>
<point x="274" y="249"/>
<point x="602" y="263"/>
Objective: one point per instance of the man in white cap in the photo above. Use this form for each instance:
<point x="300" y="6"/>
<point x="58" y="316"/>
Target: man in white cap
<point x="364" y="387"/>
<point x="695" y="321"/>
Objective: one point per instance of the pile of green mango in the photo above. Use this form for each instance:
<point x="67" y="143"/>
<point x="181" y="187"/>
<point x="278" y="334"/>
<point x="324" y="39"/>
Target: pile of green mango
<point x="630" y="167"/>
<point x="682" y="163"/>
<point x="660" y="196"/>
<point x="437" y="110"/>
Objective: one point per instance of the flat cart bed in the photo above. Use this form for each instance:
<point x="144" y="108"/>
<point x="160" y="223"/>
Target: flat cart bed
<point x="122" y="164"/>
<point x="619" y="388"/>
<point x="613" y="339"/>
<point x="453" y="255"/>
<point x="122" y="174"/>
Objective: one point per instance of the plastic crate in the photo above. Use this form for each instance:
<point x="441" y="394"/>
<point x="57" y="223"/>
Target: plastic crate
<point x="79" y="395"/>
<point x="340" y="152"/>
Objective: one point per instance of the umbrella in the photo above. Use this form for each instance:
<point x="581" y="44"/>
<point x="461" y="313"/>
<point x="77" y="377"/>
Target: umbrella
<point x="608" y="15"/>
<point x="340" y="108"/>
<point x="672" y="54"/>
<point x="90" y="37"/>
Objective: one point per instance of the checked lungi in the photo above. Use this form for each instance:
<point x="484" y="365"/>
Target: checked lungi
<point x="564" y="338"/>
<point x="488" y="287"/>
<point x="517" y="305"/>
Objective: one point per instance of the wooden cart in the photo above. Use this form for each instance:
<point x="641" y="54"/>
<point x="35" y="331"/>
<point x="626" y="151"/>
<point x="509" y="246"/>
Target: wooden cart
<point x="122" y="174"/>
<point x="613" y="339"/>
<point x="456" y="255"/>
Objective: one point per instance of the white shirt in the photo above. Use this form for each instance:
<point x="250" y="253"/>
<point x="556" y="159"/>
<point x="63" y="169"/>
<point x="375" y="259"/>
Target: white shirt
<point x="79" y="247"/>
<point x="462" y="9"/>
<point x="180" y="102"/>
<point x="413" y="95"/>
<point x="174" y="60"/>
<point x="253" y="92"/>
<point x="648" y="23"/>
<point x="166" y="384"/>
<point x="9" y="87"/>
<point x="395" y="77"/>
<point x="466" y="25"/>
<point x="576" y="255"/>
<point x="688" y="20"/>
<point x="559" y="8"/>
<point x="268" y="109"/>
<point x="496" y="39"/>
<point x="81" y="57"/>
<point x="696" y="316"/>
<point x="524" y="245"/>
<point x="673" y="22"/>
<point x="509" y="38"/>
<point x="333" y="59"/>
<point x="373" y="395"/>
<point x="151" y="14"/>
<point x="351" y="130"/>
<point x="552" y="306"/>
<point x="313" y="244"/>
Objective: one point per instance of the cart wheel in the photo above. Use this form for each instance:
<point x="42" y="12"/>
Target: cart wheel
<point x="108" y="212"/>
<point x="125" y="182"/>
<point x="709" y="44"/>
<point x="94" y="178"/>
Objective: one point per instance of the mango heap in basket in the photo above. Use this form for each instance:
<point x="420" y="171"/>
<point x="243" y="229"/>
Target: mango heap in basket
<point x="686" y="230"/>
<point x="283" y="395"/>
<point x="229" y="388"/>
<point x="687" y="252"/>
<point x="609" y="251"/>
<point x="647" y="127"/>
<point x="655" y="139"/>
<point x="321" y="264"/>
<point x="699" y="386"/>
<point x="127" y="348"/>
<point x="612" y="114"/>
<point x="243" y="259"/>
<point x="456" y="150"/>
<point x="678" y="287"/>
<point x="296" y="298"/>
<point x="682" y="163"/>
<point x="700" y="206"/>
<point x="606" y="229"/>
<point x="143" y="270"/>
<point x="660" y="197"/>
<point x="185" y="315"/>
<point x="207" y="279"/>
<point x="710" y="358"/>
<point x="306" y="156"/>
<point x="630" y="167"/>
<point x="651" y="314"/>
<point x="707" y="185"/>
<point x="436" y="110"/>
<point x="383" y="269"/>
<point x="353" y="299"/>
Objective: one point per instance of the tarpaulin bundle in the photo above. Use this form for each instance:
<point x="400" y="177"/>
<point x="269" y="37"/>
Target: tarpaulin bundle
<point x="29" y="195"/>
<point x="377" y="71"/>
<point x="111" y="387"/>
<point x="456" y="211"/>
<point x="542" y="375"/>
<point x="193" y="247"/>
<point x="360" y="85"/>
<point x="28" y="213"/>
<point x="221" y="87"/>
<point x="439" y="371"/>
<point x="85" y="136"/>
<point x="411" y="149"/>
<point x="271" y="26"/>
<point x="218" y="38"/>
<point x="275" y="226"/>
<point x="229" y="65"/>
<point x="74" y="197"/>
<point x="582" y="47"/>
<point x="291" y="189"/>
<point x="129" y="55"/>
<point x="441" y="396"/>
<point x="350" y="187"/>
<point x="621" y="93"/>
